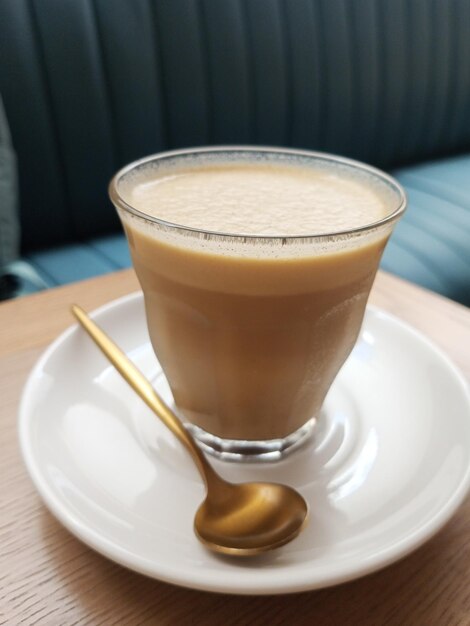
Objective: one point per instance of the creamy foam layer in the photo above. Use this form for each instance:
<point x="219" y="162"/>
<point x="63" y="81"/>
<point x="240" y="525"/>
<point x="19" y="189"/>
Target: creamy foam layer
<point x="257" y="198"/>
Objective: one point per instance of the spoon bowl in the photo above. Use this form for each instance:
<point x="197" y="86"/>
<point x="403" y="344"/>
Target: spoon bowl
<point x="252" y="518"/>
<point x="235" y="519"/>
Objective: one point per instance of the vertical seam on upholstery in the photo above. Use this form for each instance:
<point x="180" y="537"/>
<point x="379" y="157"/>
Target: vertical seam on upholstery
<point x="428" y="125"/>
<point x="115" y="151"/>
<point x="250" y="72"/>
<point x="422" y="125"/>
<point x="427" y="96"/>
<point x="158" y="51"/>
<point x="348" y="63"/>
<point x="381" y="71"/>
<point x="322" y="81"/>
<point x="353" y="105"/>
<point x="204" y="43"/>
<point x="451" y="76"/>
<point x="51" y="115"/>
<point x="458" y="105"/>
<point x="289" y="83"/>
<point x="407" y="82"/>
<point x="352" y="56"/>
<point x="462" y="118"/>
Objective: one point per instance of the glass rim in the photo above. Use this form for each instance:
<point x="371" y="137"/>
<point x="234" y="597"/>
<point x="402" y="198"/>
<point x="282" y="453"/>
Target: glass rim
<point x="385" y="178"/>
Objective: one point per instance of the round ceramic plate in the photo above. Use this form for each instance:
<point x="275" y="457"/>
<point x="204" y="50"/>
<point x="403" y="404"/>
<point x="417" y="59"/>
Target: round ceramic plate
<point x="387" y="467"/>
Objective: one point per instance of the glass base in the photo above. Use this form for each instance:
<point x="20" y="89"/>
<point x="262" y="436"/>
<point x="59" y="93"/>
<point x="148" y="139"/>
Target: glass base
<point x="240" y="450"/>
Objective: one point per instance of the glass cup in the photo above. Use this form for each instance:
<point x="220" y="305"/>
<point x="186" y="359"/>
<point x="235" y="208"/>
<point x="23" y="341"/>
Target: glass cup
<point x="251" y="331"/>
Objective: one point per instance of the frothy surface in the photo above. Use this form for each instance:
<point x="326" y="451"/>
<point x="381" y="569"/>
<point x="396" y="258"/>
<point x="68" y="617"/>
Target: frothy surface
<point x="257" y="199"/>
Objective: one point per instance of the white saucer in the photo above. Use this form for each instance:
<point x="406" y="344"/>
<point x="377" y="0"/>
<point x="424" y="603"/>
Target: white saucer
<point x="388" y="466"/>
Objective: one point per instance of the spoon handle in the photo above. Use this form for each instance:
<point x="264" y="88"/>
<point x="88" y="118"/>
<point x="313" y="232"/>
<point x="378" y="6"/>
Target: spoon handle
<point x="144" y="389"/>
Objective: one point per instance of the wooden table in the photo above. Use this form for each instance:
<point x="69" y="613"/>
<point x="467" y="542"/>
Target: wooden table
<point x="49" y="577"/>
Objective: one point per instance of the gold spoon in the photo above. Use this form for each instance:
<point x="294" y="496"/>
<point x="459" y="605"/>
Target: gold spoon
<point x="238" y="519"/>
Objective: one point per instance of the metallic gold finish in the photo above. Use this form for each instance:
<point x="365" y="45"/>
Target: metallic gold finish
<point x="235" y="519"/>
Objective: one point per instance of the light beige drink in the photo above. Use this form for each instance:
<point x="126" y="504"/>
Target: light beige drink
<point x="251" y="332"/>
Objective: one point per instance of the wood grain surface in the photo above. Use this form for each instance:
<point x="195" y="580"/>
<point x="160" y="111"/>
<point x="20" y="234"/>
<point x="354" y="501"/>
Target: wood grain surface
<point x="49" y="577"/>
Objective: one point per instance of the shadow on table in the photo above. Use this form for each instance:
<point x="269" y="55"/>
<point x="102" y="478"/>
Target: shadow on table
<point x="411" y="591"/>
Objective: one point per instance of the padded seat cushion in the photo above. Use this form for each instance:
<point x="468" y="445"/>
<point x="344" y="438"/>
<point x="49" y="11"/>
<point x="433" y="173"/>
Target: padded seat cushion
<point x="430" y="246"/>
<point x="65" y="264"/>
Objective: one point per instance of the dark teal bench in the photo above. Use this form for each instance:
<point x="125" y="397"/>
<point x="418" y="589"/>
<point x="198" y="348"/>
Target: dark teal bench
<point x="89" y="86"/>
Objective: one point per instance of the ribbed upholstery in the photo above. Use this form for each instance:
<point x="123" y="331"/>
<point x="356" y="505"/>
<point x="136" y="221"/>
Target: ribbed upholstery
<point x="431" y="244"/>
<point x="91" y="84"/>
<point x="65" y="264"/>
